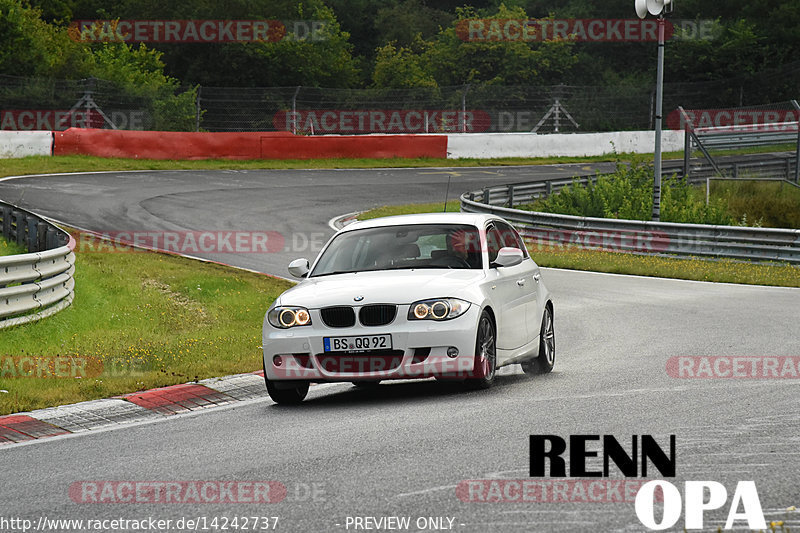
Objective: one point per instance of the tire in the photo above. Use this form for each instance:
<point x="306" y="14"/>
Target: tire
<point x="547" y="347"/>
<point x="289" y="396"/>
<point x="286" y="396"/>
<point x="485" y="355"/>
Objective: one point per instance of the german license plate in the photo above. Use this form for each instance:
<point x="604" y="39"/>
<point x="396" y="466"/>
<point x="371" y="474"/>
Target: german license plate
<point x="361" y="343"/>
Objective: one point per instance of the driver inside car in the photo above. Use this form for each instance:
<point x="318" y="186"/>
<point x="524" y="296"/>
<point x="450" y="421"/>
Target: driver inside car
<point x="463" y="249"/>
<point x="456" y="245"/>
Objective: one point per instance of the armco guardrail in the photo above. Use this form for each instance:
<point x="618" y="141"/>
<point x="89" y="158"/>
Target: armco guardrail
<point x="771" y="165"/>
<point x="767" y="166"/>
<point x="39" y="283"/>
<point x="734" y="242"/>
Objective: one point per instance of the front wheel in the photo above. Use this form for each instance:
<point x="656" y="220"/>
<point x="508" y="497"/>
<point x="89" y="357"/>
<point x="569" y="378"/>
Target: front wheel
<point x="289" y="395"/>
<point x="485" y="365"/>
<point x="547" y="348"/>
<point x="286" y="393"/>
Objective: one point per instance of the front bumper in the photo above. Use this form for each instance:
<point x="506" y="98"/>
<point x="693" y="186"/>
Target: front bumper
<point x="419" y="350"/>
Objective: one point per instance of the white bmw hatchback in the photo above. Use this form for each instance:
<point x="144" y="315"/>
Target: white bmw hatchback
<point x="449" y="295"/>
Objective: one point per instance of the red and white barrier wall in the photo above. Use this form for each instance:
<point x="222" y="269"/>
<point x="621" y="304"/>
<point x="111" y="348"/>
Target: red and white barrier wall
<point x="284" y="145"/>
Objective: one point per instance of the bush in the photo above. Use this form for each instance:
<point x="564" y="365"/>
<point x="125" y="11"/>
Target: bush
<point x="771" y="205"/>
<point x="628" y="194"/>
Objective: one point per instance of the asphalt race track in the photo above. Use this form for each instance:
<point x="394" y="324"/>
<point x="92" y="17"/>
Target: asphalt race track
<point x="402" y="449"/>
<point x="296" y="204"/>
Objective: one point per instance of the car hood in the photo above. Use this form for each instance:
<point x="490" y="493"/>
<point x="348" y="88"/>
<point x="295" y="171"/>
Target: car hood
<point x="396" y="286"/>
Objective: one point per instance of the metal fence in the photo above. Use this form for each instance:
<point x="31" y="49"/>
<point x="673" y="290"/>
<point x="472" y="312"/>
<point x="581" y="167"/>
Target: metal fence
<point x="745" y="127"/>
<point x="40" y="283"/>
<point x="33" y="103"/>
<point x="645" y="237"/>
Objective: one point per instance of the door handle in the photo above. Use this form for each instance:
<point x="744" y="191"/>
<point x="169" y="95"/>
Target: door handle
<point x="521" y="282"/>
<point x="537" y="277"/>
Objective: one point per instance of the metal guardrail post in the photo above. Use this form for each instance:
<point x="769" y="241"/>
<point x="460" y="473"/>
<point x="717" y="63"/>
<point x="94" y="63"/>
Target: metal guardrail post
<point x="464" y="109"/>
<point x="21" y="222"/>
<point x="510" y="196"/>
<point x="486" y="195"/>
<point x="548" y="188"/>
<point x="7" y="221"/>
<point x="51" y="239"/>
<point x="687" y="152"/>
<point x="687" y="140"/>
<point x="31" y="225"/>
<point x="735" y="170"/>
<point x="294" y="110"/>
<point x="198" y="110"/>
<point x="41" y="237"/>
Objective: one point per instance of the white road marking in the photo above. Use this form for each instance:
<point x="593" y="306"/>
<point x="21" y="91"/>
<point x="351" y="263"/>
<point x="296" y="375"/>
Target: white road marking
<point x="425" y="491"/>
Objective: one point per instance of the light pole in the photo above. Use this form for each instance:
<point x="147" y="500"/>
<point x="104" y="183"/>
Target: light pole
<point x="658" y="8"/>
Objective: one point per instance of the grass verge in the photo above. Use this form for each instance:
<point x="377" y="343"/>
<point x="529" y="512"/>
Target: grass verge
<point x="76" y="163"/>
<point x="139" y="320"/>
<point x="453" y="206"/>
<point x="575" y="258"/>
<point x="10" y="248"/>
<point x="79" y="163"/>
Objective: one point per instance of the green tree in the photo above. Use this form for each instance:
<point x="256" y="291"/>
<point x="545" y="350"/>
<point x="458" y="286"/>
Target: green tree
<point x="452" y="59"/>
<point x="28" y="45"/>
<point x="31" y="47"/>
<point x="400" y="67"/>
<point x="322" y="59"/>
<point x="140" y="71"/>
<point x="404" y="21"/>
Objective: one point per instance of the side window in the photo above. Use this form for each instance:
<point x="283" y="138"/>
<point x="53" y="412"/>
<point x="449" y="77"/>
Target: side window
<point x="494" y="242"/>
<point x="511" y="238"/>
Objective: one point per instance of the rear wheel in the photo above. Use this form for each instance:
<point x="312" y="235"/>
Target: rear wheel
<point x="486" y="355"/>
<point x="547" y="348"/>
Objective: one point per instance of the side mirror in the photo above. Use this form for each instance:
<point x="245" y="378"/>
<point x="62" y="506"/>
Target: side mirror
<point x="299" y="268"/>
<point x="508" y="257"/>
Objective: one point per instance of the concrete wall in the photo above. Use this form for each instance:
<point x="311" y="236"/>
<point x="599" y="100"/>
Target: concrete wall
<point x="488" y="145"/>
<point x="25" y="143"/>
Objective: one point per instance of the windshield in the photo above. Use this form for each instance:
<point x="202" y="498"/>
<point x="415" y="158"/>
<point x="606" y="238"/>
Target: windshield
<point x="402" y="247"/>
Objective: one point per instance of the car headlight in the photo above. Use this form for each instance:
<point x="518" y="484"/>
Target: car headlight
<point x="285" y="317"/>
<point x="437" y="309"/>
